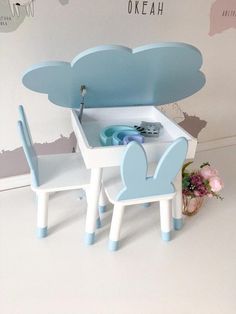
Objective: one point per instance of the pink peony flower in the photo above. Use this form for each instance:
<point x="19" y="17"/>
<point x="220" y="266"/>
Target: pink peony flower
<point x="196" y="180"/>
<point x="207" y="172"/>
<point x="216" y="184"/>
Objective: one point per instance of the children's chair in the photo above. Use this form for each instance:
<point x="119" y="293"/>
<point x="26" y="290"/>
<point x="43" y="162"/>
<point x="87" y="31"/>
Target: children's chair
<point x="132" y="186"/>
<point x="50" y="173"/>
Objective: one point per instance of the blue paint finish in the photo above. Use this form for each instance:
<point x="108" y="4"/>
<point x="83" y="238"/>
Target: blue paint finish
<point x="98" y="223"/>
<point x="134" y="170"/>
<point x="89" y="238"/>
<point x="177" y="223"/>
<point x="113" y="245"/>
<point x="117" y="76"/>
<point x="129" y="138"/>
<point x="24" y="121"/>
<point x="42" y="232"/>
<point x="117" y="138"/>
<point x="29" y="153"/>
<point x="106" y="134"/>
<point x="102" y="209"/>
<point x="166" y="236"/>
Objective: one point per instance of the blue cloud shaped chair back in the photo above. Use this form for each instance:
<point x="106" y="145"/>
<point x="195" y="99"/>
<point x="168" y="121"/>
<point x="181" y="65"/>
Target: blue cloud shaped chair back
<point x="26" y="141"/>
<point x="134" y="170"/>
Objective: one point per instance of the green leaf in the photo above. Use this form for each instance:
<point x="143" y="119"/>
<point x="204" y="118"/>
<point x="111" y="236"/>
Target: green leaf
<point x="185" y="182"/>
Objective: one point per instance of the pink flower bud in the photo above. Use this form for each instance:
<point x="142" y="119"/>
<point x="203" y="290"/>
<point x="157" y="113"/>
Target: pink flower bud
<point x="207" y="172"/>
<point x="216" y="184"/>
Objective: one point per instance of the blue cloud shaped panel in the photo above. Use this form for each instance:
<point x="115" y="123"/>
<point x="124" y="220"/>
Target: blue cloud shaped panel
<point x="114" y="76"/>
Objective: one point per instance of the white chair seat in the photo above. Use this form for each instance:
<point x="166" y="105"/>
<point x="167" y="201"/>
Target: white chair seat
<point x="62" y="172"/>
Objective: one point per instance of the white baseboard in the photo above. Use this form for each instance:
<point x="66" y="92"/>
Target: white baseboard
<point x="218" y="143"/>
<point x="24" y="180"/>
<point x="14" y="182"/>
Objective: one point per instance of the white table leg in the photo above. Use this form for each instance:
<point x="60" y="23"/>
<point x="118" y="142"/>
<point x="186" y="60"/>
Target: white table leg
<point x="177" y="203"/>
<point x="114" y="237"/>
<point x="92" y="209"/>
<point x="103" y="201"/>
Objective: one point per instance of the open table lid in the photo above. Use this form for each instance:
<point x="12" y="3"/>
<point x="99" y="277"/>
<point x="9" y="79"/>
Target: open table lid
<point x="117" y="76"/>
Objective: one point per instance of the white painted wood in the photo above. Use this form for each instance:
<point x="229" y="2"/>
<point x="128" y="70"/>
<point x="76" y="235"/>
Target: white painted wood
<point x="62" y="172"/>
<point x="94" y="120"/>
<point x="103" y="197"/>
<point x="92" y="200"/>
<point x="58" y="173"/>
<point x="166" y="215"/>
<point x="177" y="201"/>
<point x="117" y="216"/>
<point x="42" y="212"/>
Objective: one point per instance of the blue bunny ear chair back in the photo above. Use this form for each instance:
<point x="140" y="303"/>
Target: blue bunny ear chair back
<point x="134" y="170"/>
<point x="25" y="124"/>
<point x="28" y="147"/>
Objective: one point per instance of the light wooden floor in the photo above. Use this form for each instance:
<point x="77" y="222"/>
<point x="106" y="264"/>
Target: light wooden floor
<point x="193" y="274"/>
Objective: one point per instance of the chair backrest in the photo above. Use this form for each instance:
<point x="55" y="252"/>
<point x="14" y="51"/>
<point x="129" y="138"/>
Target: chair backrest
<point x="24" y="121"/>
<point x="29" y="152"/>
<point x="134" y="170"/>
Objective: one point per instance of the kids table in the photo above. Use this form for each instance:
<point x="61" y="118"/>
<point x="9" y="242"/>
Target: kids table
<point x="115" y="85"/>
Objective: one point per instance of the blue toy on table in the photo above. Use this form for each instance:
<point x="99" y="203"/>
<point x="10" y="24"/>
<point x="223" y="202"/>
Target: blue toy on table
<point x="107" y="134"/>
<point x="119" y="135"/>
<point x="129" y="138"/>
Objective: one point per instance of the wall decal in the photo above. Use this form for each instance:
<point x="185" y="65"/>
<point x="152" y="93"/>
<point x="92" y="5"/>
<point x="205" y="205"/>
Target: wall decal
<point x="64" y="2"/>
<point x="191" y="123"/>
<point x="145" y="7"/>
<point x="13" y="163"/>
<point x="11" y="15"/>
<point x="28" y="5"/>
<point x="222" y="16"/>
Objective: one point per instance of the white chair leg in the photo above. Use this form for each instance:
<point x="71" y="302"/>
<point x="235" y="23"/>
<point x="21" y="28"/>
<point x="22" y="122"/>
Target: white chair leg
<point x="177" y="203"/>
<point x="166" y="219"/>
<point x="98" y="220"/>
<point x="92" y="208"/>
<point x="114" y="236"/>
<point x="103" y="201"/>
<point x="42" y="214"/>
